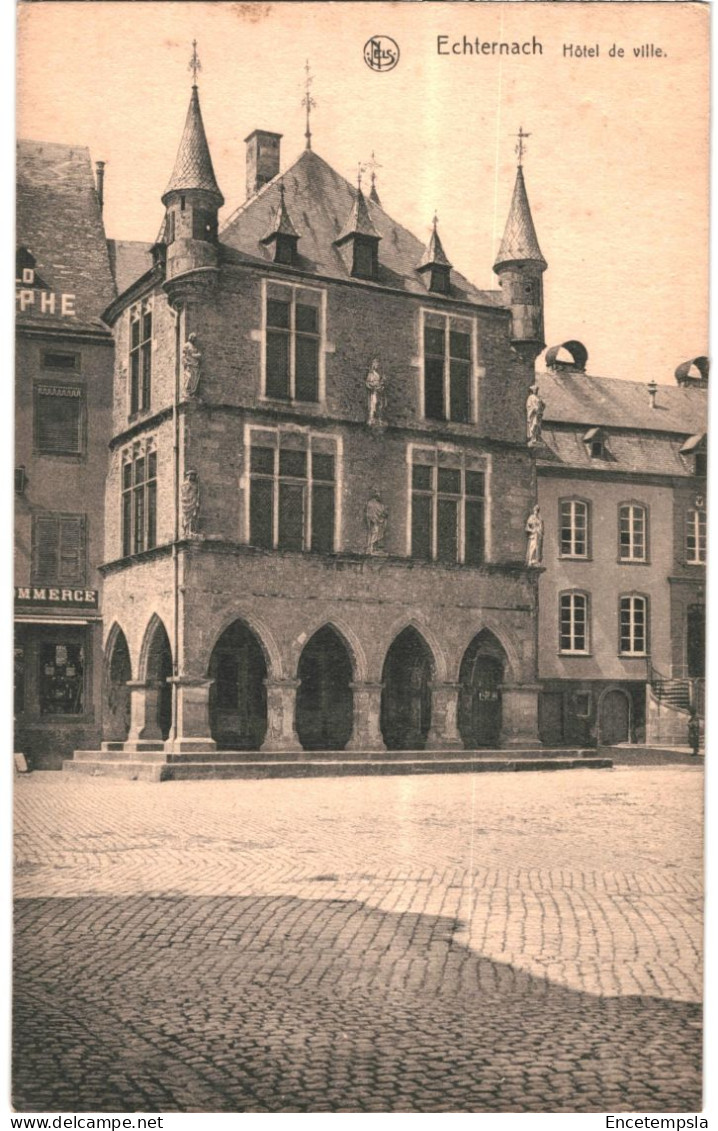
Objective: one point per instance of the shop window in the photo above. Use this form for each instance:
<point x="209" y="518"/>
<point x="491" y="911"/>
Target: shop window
<point x="61" y="678"/>
<point x="58" y="549"/>
<point x="574" y="528"/>
<point x="59" y="417"/>
<point x="140" y="357"/>
<point x="448" y="365"/>
<point x="292" y="491"/>
<point x="293" y="341"/>
<point x="632" y="532"/>
<point x="139" y="499"/>
<point x="573" y="623"/>
<point x="633" y="619"/>
<point x="447" y="509"/>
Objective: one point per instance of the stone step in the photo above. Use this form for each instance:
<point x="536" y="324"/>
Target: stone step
<point x="197" y="770"/>
<point x="304" y="756"/>
<point x="147" y="756"/>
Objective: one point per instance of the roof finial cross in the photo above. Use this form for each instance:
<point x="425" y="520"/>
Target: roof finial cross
<point x="194" y="64"/>
<point x="360" y="169"/>
<point x="521" y="148"/>
<point x="308" y="102"/>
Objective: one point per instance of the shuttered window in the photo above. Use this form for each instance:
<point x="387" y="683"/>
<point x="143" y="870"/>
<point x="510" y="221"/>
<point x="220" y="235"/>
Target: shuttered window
<point x="59" y="414"/>
<point x="58" y="549"/>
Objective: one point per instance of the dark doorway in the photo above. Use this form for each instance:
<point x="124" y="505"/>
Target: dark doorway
<point x="481" y="676"/>
<point x="406" y="694"/>
<point x="238" y="697"/>
<point x="159" y="668"/>
<point x="551" y="718"/>
<point x="696" y="641"/>
<point x="325" y="703"/>
<point x="614" y="718"/>
<point x="117" y="694"/>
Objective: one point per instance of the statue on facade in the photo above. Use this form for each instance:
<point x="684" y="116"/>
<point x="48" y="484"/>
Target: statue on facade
<point x="190" y="504"/>
<point x="191" y="366"/>
<point x="535" y="408"/>
<point x="376" y="517"/>
<point x="376" y="388"/>
<point x="534" y="546"/>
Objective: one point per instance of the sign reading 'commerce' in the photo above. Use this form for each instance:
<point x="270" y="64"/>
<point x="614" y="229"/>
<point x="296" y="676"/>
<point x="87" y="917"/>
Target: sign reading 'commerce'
<point x="44" y="595"/>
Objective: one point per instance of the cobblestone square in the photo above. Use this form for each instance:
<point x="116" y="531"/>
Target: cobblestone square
<point x="459" y="943"/>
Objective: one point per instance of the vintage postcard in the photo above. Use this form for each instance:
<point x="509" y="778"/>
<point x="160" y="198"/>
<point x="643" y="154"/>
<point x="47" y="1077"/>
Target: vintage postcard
<point x="360" y="530"/>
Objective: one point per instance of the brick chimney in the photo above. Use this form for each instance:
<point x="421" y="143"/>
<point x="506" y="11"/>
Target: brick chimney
<point x="262" y="159"/>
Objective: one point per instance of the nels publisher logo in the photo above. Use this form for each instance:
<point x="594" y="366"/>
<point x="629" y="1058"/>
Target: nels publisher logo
<point x="381" y="53"/>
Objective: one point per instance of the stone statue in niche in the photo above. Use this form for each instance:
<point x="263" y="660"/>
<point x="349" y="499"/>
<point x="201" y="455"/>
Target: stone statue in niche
<point x="190" y="504"/>
<point x="376" y="517"/>
<point x="534" y="546"/>
<point x="535" y="408"/>
<point x="191" y="367"/>
<point x="376" y="388"/>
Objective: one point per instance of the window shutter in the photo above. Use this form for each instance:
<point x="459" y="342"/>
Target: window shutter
<point x="72" y="549"/>
<point x="59" y="420"/>
<point x="46" y="535"/>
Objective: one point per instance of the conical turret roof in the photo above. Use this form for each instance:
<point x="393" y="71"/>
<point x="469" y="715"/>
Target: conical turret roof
<point x="434" y="254"/>
<point x="359" y="222"/>
<point x="193" y="165"/>
<point x="520" y="241"/>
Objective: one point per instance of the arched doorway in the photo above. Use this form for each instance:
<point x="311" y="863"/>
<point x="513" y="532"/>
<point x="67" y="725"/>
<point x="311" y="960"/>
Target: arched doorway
<point x="614" y="717"/>
<point x="325" y="702"/>
<point x="406" y="692"/>
<point x="238" y="697"/>
<point x="158" y="667"/>
<point x="118" y="671"/>
<point x="481" y="676"/>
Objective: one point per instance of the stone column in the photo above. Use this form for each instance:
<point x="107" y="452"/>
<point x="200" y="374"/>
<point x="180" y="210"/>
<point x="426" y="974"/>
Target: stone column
<point x="367" y="712"/>
<point x="144" y="733"/>
<point x="281" y="704"/>
<point x="444" y="732"/>
<point x="519" y="715"/>
<point x="191" y="729"/>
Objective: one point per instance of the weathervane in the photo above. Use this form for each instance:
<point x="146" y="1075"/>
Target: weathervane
<point x="308" y="102"/>
<point x="194" y="64"/>
<point x="360" y="169"/>
<point x="521" y="148"/>
<point x="372" y="165"/>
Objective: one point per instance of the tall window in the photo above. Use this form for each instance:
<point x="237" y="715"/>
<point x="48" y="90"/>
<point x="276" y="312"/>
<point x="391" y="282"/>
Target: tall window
<point x="140" y="357"/>
<point x="59" y="419"/>
<point x="58" y="549"/>
<point x="696" y="536"/>
<point x="447" y="368"/>
<point x="633" y="617"/>
<point x="293" y="337"/>
<point x="292" y="491"/>
<point x="574" y="529"/>
<point x="139" y="499"/>
<point x="573" y="622"/>
<point x="632" y="532"/>
<point x="447" y="510"/>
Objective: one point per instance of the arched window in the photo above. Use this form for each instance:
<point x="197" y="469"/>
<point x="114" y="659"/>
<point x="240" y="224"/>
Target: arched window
<point x="574" y="623"/>
<point x="696" y="536"/>
<point x="633" y="625"/>
<point x="574" y="528"/>
<point x="632" y="532"/>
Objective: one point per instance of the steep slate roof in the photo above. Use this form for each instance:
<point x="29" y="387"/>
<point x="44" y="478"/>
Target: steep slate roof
<point x="638" y="438"/>
<point x="59" y="222"/>
<point x="319" y="201"/>
<point x="129" y="260"/>
<point x="193" y="164"/>
<point x="520" y="241"/>
<point x="358" y="221"/>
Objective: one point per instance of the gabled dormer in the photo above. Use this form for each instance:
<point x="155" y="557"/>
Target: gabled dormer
<point x="358" y="240"/>
<point x="434" y="266"/>
<point x="596" y="441"/>
<point x="695" y="454"/>
<point x="282" y="237"/>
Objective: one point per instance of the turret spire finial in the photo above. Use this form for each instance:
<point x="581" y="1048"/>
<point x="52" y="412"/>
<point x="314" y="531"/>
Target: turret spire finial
<point x="308" y="102"/>
<point x="194" y="64"/>
<point x="520" y="147"/>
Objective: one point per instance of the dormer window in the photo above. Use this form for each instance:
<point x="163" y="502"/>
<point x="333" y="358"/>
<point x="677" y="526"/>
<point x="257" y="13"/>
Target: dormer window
<point x="595" y="441"/>
<point x="282" y="237"/>
<point x="358" y="241"/>
<point x="365" y="262"/>
<point x="434" y="265"/>
<point x="695" y="454"/>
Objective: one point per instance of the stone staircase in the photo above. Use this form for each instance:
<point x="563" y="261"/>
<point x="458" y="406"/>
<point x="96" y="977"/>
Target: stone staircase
<point x="157" y="765"/>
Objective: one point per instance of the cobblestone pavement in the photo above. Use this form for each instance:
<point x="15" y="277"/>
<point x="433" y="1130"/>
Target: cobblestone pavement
<point x="453" y="943"/>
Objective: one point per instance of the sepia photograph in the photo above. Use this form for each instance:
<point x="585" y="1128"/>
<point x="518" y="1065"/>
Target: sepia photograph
<point x="360" y="541"/>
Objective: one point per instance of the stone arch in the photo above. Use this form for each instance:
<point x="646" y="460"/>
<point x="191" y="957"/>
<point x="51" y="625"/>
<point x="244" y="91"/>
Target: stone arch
<point x="408" y="672"/>
<point x="325" y="698"/>
<point x="238" y="669"/>
<point x="264" y="637"/>
<point x="512" y="661"/>
<point x="115" y="691"/>
<point x="348" y="637"/>
<point x="481" y="676"/>
<point x="155" y="666"/>
<point x="420" y="624"/>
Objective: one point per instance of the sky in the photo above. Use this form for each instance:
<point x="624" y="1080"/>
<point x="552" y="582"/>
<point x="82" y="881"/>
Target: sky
<point x="616" y="163"/>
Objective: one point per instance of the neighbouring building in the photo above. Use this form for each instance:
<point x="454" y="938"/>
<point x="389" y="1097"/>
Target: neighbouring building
<point x="622" y="492"/>
<point x="319" y="475"/>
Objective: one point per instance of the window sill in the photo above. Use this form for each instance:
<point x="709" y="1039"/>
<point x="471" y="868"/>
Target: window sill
<point x="75" y="457"/>
<point x="703" y="563"/>
<point x="633" y="561"/>
<point x="576" y="655"/>
<point x="288" y="402"/>
<point x="574" y="558"/>
<point x="633" y="655"/>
